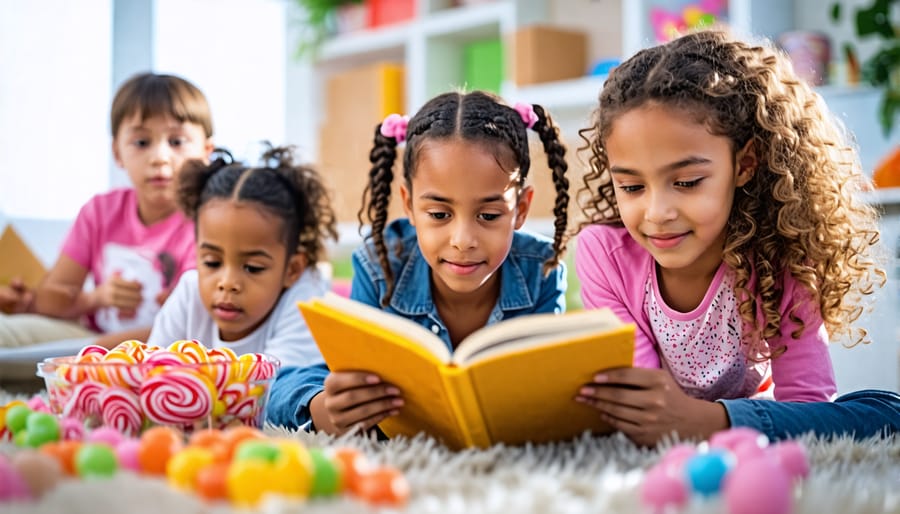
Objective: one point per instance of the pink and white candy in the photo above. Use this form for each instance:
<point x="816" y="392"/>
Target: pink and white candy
<point x="177" y="397"/>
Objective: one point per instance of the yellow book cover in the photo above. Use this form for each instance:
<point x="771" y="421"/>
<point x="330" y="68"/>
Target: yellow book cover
<point x="17" y="260"/>
<point x="512" y="382"/>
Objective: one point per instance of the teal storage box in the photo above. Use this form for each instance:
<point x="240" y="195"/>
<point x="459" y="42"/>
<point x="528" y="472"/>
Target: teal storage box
<point x="483" y="65"/>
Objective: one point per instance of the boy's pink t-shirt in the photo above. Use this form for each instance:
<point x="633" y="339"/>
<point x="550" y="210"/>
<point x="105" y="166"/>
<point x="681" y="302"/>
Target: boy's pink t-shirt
<point x="614" y="270"/>
<point x="112" y="219"/>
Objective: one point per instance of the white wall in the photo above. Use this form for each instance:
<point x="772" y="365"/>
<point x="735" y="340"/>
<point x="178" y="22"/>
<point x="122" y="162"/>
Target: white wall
<point x="54" y="102"/>
<point x="234" y="51"/>
<point x="58" y="75"/>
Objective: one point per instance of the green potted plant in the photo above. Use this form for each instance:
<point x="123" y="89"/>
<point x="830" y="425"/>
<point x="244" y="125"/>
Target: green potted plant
<point x="882" y="69"/>
<point x="320" y="21"/>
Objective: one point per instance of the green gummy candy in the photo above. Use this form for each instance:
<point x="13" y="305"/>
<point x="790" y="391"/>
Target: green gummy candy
<point x="17" y="417"/>
<point x="327" y="477"/>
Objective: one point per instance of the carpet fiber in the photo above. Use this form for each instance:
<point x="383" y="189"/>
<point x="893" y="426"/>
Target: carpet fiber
<point x="587" y="475"/>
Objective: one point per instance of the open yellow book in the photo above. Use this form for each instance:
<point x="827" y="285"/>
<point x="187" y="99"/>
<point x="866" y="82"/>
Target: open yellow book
<point x="511" y="382"/>
<point x="17" y="260"/>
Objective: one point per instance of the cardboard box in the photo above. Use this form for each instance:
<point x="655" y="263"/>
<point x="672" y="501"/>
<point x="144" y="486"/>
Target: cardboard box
<point x="357" y="100"/>
<point x="483" y="65"/>
<point x="366" y="94"/>
<point x="543" y="53"/>
<point x="344" y="164"/>
<point x="17" y="260"/>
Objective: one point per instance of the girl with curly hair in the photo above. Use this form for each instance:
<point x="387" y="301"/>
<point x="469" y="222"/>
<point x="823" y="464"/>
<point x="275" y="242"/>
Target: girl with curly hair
<point x="724" y="220"/>
<point x="260" y="233"/>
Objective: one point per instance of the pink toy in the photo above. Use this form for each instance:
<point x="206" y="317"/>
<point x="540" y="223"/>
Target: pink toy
<point x="662" y="489"/>
<point x="758" y="485"/>
<point x="793" y="459"/>
<point x="127" y="454"/>
<point x="105" y="434"/>
<point x="759" y="478"/>
<point x="12" y="485"/>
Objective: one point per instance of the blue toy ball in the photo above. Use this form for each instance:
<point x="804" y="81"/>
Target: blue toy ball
<point x="705" y="472"/>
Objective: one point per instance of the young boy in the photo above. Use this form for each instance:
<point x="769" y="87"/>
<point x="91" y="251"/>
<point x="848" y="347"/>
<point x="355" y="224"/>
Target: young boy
<point x="133" y="241"/>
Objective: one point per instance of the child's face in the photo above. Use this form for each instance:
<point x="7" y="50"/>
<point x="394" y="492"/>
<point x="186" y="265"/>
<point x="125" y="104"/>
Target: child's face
<point x="674" y="184"/>
<point x="465" y="208"/>
<point x="152" y="151"/>
<point x="242" y="264"/>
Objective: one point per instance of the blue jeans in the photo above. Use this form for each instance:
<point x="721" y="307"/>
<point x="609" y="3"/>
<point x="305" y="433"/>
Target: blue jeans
<point x="860" y="414"/>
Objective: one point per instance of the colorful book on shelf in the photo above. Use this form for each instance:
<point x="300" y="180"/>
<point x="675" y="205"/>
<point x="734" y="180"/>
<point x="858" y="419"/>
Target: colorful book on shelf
<point x="511" y="382"/>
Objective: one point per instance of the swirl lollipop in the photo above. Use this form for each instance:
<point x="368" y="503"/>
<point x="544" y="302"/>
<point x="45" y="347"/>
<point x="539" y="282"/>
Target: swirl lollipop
<point x="120" y="409"/>
<point x="176" y="396"/>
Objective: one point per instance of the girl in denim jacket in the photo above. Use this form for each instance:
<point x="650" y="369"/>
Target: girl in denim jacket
<point x="457" y="262"/>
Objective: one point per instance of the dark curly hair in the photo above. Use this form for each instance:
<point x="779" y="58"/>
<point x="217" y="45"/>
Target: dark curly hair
<point x="801" y="211"/>
<point x="294" y="193"/>
<point x="476" y="116"/>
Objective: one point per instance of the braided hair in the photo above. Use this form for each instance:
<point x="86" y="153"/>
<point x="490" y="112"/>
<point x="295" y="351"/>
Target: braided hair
<point x="293" y="193"/>
<point x="477" y="116"/>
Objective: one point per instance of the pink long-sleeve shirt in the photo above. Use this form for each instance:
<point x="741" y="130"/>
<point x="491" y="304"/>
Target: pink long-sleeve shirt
<point x="702" y="348"/>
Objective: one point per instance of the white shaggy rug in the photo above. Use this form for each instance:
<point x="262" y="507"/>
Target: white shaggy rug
<point x="587" y="475"/>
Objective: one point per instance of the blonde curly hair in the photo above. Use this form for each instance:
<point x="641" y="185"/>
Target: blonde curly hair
<point x="801" y="212"/>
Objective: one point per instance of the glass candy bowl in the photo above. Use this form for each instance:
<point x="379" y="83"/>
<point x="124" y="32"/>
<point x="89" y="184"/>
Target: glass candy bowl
<point x="135" y="386"/>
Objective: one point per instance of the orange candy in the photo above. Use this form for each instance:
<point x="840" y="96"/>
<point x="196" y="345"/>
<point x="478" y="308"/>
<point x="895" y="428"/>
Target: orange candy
<point x="158" y="445"/>
<point x="212" y="440"/>
<point x="354" y="464"/>
<point x="212" y="481"/>
<point x="64" y="452"/>
<point x="236" y="435"/>
<point x="383" y="486"/>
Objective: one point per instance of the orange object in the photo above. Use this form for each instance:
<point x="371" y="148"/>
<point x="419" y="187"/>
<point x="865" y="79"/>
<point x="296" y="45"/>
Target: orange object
<point x="64" y="452"/>
<point x="887" y="173"/>
<point x="353" y="465"/>
<point x="212" y="483"/>
<point x="384" y="486"/>
<point x="212" y="440"/>
<point x="234" y="436"/>
<point x="158" y="445"/>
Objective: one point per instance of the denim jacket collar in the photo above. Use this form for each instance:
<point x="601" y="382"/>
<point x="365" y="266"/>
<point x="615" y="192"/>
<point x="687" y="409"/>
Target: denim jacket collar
<point x="412" y="294"/>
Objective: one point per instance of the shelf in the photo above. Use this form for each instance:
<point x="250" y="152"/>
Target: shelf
<point x="364" y="44"/>
<point x="580" y="93"/>
<point x="468" y="23"/>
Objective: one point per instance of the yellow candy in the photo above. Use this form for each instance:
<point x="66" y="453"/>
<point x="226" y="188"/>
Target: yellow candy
<point x="182" y="468"/>
<point x="293" y="469"/>
<point x="691" y="15"/>
<point x="249" y="480"/>
<point x="195" y="351"/>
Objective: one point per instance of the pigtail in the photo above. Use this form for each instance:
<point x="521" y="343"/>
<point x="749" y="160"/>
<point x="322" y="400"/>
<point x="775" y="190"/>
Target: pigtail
<point x="194" y="176"/>
<point x="376" y="199"/>
<point x="315" y="219"/>
<point x="556" y="158"/>
<point x="319" y="221"/>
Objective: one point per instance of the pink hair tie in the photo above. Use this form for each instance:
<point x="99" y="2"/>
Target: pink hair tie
<point x="526" y="111"/>
<point x="395" y="126"/>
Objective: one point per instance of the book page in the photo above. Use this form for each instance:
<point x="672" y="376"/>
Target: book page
<point x="532" y="330"/>
<point x="393" y="322"/>
<point x="528" y="395"/>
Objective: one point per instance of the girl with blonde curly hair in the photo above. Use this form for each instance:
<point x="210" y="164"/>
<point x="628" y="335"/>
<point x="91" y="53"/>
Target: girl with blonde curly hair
<point x="724" y="220"/>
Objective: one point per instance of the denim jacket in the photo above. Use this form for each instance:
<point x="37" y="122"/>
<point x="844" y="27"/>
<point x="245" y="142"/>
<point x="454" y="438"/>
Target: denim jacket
<point x="523" y="290"/>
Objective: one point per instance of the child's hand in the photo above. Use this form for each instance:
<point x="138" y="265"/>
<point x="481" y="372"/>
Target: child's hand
<point x="646" y="404"/>
<point x="124" y="295"/>
<point x="354" y="400"/>
<point x="16" y="297"/>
